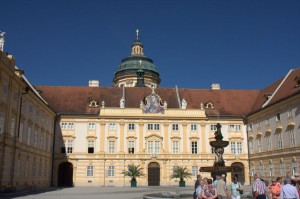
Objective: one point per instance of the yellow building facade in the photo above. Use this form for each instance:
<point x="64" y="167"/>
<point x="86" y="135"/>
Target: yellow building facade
<point x="26" y="130"/>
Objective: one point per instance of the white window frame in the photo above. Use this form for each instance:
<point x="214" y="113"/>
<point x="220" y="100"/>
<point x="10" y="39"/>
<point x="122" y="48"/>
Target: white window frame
<point x="194" y="147"/>
<point x="131" y="126"/>
<point x="111" y="146"/>
<point x="150" y="127"/>
<point x="194" y="170"/>
<point x="233" y="147"/>
<point x="280" y="141"/>
<point x="111" y="171"/>
<point x="269" y="142"/>
<point x="175" y="147"/>
<point x="69" y="146"/>
<point x="292" y="138"/>
<point x="112" y="126"/>
<point x="294" y="168"/>
<point x="193" y="127"/>
<point x="290" y="113"/>
<point x="175" y="127"/>
<point x="261" y="170"/>
<point x="90" y="171"/>
<point x="259" y="146"/>
<point x="131" y="145"/>
<point x="92" y="126"/>
<point x="156" y="127"/>
<point x="239" y="147"/>
<point x="282" y="169"/>
<point x="213" y="127"/>
<point x="91" y="144"/>
<point x="271" y="170"/>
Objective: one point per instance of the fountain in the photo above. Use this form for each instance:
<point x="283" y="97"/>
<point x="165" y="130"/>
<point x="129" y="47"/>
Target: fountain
<point x="219" y="144"/>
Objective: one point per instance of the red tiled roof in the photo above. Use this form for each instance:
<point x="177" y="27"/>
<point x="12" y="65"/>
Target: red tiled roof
<point x="75" y="100"/>
<point x="287" y="89"/>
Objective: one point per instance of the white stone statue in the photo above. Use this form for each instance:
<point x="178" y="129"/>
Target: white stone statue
<point x="103" y="104"/>
<point x="165" y="105"/>
<point x="201" y="106"/>
<point x="2" y="40"/>
<point x="122" y="102"/>
<point x="141" y="104"/>
<point x="183" y="104"/>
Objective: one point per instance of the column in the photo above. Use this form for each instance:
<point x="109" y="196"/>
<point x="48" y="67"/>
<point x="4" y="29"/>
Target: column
<point x="166" y="138"/>
<point x="102" y="136"/>
<point x="203" y="138"/>
<point x="122" y="126"/>
<point x="141" y="137"/>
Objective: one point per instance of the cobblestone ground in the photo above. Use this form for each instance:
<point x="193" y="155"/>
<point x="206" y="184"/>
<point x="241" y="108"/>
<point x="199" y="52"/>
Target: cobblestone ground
<point x="102" y="192"/>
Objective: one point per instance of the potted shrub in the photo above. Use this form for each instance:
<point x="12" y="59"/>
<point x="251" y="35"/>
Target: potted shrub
<point x="181" y="173"/>
<point x="133" y="172"/>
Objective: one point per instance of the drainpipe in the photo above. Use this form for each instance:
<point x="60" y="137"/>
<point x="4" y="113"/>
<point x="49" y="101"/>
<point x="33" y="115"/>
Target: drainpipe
<point x="245" y="121"/>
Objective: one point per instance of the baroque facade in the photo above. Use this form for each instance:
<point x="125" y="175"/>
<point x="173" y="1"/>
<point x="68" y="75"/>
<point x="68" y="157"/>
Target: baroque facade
<point x="273" y="128"/>
<point x="26" y="130"/>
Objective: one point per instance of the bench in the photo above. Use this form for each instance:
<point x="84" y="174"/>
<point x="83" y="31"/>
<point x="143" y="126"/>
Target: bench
<point x="8" y="189"/>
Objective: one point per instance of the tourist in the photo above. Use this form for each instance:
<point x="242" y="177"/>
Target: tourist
<point x="197" y="183"/>
<point x="209" y="191"/>
<point x="274" y="190"/>
<point x="221" y="188"/>
<point x="288" y="191"/>
<point x="200" y="189"/>
<point x="235" y="188"/>
<point x="279" y="180"/>
<point x="205" y="181"/>
<point x="216" y="180"/>
<point x="259" y="188"/>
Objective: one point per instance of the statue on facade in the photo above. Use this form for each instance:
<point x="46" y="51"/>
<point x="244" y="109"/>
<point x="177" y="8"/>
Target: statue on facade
<point x="201" y="106"/>
<point x="103" y="104"/>
<point x="2" y="40"/>
<point x="122" y="102"/>
<point x="183" y="104"/>
<point x="165" y="105"/>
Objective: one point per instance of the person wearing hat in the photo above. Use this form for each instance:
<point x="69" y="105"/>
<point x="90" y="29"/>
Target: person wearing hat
<point x="221" y="188"/>
<point x="288" y="191"/>
<point x="274" y="190"/>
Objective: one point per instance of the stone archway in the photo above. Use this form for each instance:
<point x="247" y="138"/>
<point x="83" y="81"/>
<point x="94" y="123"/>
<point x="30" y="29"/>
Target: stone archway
<point x="153" y="174"/>
<point x="238" y="170"/>
<point x="65" y="175"/>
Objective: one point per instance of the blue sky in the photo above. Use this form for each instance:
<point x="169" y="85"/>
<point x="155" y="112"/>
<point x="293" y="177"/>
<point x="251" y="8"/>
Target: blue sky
<point x="239" y="44"/>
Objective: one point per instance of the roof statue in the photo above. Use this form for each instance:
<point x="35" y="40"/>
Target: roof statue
<point x="183" y="104"/>
<point x="2" y="40"/>
<point x="122" y="102"/>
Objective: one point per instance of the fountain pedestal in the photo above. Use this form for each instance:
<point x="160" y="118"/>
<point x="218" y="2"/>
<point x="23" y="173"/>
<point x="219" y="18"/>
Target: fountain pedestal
<point x="219" y="144"/>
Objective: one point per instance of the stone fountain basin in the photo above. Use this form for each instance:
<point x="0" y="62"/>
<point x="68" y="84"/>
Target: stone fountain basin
<point x="167" y="195"/>
<point x="219" y="143"/>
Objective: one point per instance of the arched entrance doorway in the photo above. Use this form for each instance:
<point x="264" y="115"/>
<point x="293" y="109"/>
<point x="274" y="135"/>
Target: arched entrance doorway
<point x="153" y="174"/>
<point x="239" y="171"/>
<point x="65" y="175"/>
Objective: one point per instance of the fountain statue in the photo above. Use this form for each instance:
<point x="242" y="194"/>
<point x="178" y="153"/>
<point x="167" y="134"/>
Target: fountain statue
<point x="218" y="144"/>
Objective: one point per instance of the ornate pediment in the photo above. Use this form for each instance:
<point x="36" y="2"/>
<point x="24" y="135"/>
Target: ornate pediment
<point x="153" y="104"/>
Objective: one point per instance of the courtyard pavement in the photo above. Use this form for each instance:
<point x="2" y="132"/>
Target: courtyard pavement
<point x="102" y="192"/>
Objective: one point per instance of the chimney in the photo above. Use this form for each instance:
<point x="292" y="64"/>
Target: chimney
<point x="94" y="83"/>
<point x="215" y="86"/>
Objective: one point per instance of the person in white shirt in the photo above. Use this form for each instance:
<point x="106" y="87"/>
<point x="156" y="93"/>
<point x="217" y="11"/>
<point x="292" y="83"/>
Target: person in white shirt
<point x="288" y="191"/>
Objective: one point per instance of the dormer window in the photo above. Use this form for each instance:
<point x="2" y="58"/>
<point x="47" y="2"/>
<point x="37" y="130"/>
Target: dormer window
<point x="209" y="105"/>
<point x="267" y="95"/>
<point x="297" y="80"/>
<point x="93" y="103"/>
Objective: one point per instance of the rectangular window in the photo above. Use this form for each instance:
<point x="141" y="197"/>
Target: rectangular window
<point x="91" y="146"/>
<point x="175" y="127"/>
<point x="40" y="168"/>
<point x="63" y="146"/>
<point x="33" y="168"/>
<point x="271" y="171"/>
<point x="280" y="145"/>
<point x="250" y="127"/>
<point x="251" y="172"/>
<point x="70" y="146"/>
<point x="130" y="126"/>
<point x="2" y="121"/>
<point x="194" y="170"/>
<point x="90" y="171"/>
<point x="28" y="135"/>
<point x="213" y="127"/>
<point x="193" y="127"/>
<point x="261" y="170"/>
<point x="294" y="168"/>
<point x="21" y="132"/>
<point x="71" y="125"/>
<point x="267" y="121"/>
<point x="12" y="126"/>
<point x="239" y="148"/>
<point x="150" y="127"/>
<point x="112" y="126"/>
<point x="269" y="140"/>
<point x="131" y="147"/>
<point x="175" y="168"/>
<point x="63" y="125"/>
<point x="92" y="126"/>
<point x="278" y="117"/>
<point x="111" y="170"/>
<point x="194" y="147"/>
<point x="45" y="168"/>
<point x="233" y="149"/>
<point x="26" y="168"/>
<point x="35" y="138"/>
<point x="175" y="147"/>
<point x="251" y="146"/>
<point x="292" y="138"/>
<point x="111" y="147"/>
<point x="150" y="147"/>
<point x="156" y="126"/>
<point x="156" y="149"/>
<point x="282" y="169"/>
<point x="290" y="113"/>
<point x="234" y="127"/>
<point x="259" y="146"/>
